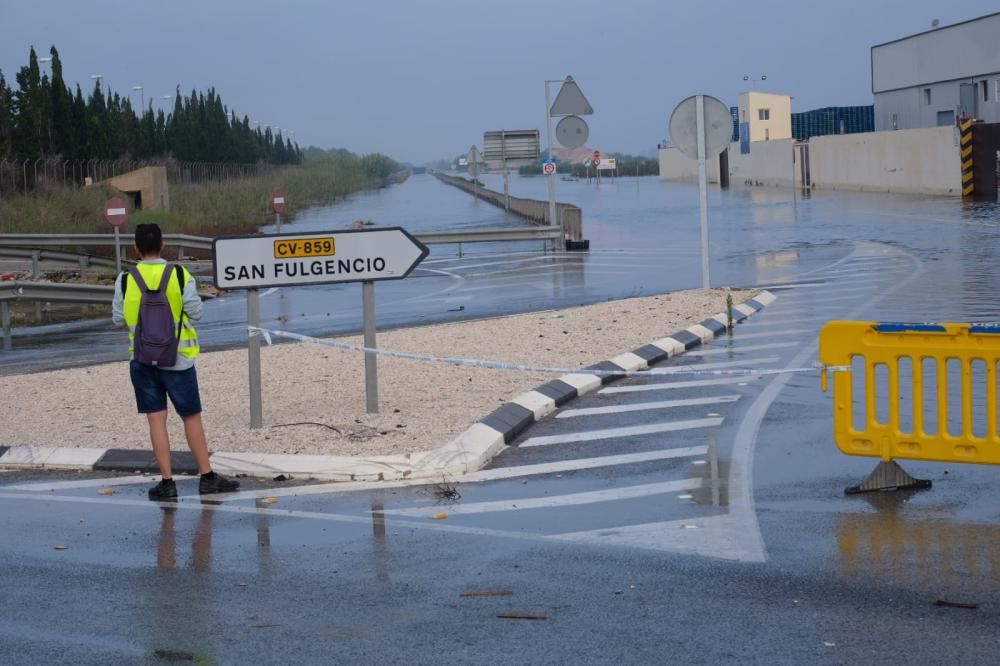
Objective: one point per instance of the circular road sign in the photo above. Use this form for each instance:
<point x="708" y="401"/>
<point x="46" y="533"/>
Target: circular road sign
<point x="572" y="132"/>
<point x="586" y="161"/>
<point x="115" y="211"/>
<point x="683" y="126"/>
<point x="597" y="155"/>
<point x="549" y="168"/>
<point x="278" y="200"/>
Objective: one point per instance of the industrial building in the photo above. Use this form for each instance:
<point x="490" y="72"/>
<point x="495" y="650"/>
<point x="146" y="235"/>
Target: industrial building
<point x="833" y="120"/>
<point x="935" y="77"/>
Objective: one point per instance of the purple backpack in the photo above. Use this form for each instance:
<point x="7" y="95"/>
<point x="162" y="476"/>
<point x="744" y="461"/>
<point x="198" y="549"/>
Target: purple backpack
<point x="156" y="334"/>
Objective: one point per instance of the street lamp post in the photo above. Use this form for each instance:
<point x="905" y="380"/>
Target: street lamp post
<point x="754" y="80"/>
<point x="142" y="96"/>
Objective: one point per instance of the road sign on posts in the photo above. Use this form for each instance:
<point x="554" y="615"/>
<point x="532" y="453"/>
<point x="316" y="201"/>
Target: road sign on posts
<point x="278" y="200"/>
<point x="115" y="213"/>
<point x="284" y="260"/>
<point x="278" y="206"/>
<point x="569" y="102"/>
<point x="549" y="168"/>
<point x="701" y="126"/>
<point x="572" y="132"/>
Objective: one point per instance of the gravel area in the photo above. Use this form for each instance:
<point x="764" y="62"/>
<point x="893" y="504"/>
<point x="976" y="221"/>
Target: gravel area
<point x="314" y="395"/>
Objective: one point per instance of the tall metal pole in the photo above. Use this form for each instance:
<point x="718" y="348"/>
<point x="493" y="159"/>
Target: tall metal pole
<point x="277" y="222"/>
<point x="371" y="361"/>
<point x="703" y="191"/>
<point x="253" y="349"/>
<point x="552" y="176"/>
<point x="118" y="250"/>
<point x="5" y="324"/>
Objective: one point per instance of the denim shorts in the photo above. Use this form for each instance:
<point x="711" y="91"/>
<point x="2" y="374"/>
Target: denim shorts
<point x="153" y="385"/>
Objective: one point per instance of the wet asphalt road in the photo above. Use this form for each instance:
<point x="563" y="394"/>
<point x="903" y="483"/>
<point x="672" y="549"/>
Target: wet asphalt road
<point x="710" y="531"/>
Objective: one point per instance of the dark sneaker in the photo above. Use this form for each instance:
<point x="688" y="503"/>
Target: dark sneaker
<point x="216" y="483"/>
<point x="163" y="491"/>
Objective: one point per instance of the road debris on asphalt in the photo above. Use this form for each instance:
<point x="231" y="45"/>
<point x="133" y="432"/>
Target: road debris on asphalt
<point x="955" y="604"/>
<point x="439" y="516"/>
<point x="269" y="500"/>
<point x="487" y="593"/>
<point x="517" y="615"/>
<point x="106" y="491"/>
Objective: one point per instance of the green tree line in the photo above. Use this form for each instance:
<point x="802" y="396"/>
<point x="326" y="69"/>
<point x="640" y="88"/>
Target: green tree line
<point x="40" y="116"/>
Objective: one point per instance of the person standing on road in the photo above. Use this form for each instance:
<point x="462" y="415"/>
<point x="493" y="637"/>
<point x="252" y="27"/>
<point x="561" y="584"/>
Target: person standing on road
<point x="136" y="292"/>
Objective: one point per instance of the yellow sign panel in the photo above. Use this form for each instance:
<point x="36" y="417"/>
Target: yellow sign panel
<point x="311" y="247"/>
<point x="922" y="391"/>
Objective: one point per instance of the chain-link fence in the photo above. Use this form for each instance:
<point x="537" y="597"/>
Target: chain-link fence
<point x="27" y="176"/>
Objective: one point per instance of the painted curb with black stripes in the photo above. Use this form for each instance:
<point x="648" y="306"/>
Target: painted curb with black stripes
<point x="511" y="419"/>
<point x="468" y="452"/>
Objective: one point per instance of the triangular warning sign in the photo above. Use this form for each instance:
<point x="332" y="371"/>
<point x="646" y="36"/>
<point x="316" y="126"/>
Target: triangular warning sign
<point x="570" y="101"/>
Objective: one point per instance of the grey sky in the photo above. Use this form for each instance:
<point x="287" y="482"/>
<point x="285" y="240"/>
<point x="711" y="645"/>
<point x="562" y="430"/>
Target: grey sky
<point x="422" y="79"/>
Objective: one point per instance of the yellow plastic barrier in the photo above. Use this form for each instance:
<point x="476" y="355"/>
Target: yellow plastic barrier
<point x="922" y="366"/>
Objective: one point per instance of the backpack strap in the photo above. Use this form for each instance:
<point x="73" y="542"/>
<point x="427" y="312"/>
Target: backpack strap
<point x="137" y="276"/>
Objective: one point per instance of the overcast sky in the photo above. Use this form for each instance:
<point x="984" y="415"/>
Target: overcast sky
<point x="422" y="79"/>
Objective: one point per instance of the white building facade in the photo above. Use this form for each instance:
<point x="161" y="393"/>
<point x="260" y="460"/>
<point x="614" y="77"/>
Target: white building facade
<point x="933" y="78"/>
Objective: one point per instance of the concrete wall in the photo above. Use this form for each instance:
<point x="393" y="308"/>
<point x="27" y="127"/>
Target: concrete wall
<point x="149" y="182"/>
<point x="675" y="165"/>
<point x="924" y="161"/>
<point x="532" y="210"/>
<point x="769" y="163"/>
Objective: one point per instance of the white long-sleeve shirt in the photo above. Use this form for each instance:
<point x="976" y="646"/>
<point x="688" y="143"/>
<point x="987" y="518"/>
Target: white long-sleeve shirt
<point x="192" y="308"/>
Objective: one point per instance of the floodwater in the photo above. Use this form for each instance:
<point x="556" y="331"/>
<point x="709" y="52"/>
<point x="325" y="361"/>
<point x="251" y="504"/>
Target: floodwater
<point x="645" y="239"/>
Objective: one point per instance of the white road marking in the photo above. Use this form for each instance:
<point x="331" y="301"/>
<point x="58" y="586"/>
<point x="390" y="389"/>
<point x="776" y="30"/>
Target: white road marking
<point x="679" y="385"/>
<point x="696" y="367"/>
<point x="643" y="406"/>
<point x="738" y="349"/>
<point x="48" y="486"/>
<point x="627" y="431"/>
<point x="581" y="463"/>
<point x="551" y="501"/>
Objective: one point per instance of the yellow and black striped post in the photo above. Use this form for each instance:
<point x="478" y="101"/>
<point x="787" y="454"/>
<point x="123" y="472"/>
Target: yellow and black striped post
<point x="968" y="182"/>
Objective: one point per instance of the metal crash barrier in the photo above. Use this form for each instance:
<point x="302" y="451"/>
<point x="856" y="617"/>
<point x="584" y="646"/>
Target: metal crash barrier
<point x="912" y="391"/>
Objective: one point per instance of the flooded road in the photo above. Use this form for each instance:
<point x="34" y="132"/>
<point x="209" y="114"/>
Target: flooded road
<point x="644" y="237"/>
<point x="718" y="520"/>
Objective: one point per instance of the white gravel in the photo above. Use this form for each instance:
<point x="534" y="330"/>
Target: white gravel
<point x="423" y="405"/>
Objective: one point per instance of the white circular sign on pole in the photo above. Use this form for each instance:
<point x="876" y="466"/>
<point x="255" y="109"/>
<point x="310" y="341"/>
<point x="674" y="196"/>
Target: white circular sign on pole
<point x="572" y="132"/>
<point x="549" y="168"/>
<point x="683" y="126"/>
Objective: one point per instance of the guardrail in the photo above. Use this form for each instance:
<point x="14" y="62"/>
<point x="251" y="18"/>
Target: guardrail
<point x="36" y="256"/>
<point x="54" y="292"/>
<point x="545" y="233"/>
<point x="923" y="392"/>
<point x="105" y="240"/>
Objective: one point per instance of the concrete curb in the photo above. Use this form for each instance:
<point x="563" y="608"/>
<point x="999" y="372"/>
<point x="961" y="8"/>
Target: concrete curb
<point x="470" y="451"/>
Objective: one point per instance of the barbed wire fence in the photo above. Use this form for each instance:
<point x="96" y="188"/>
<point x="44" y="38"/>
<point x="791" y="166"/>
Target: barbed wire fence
<point x="22" y="177"/>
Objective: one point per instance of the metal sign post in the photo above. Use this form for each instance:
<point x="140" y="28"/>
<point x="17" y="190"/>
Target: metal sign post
<point x="501" y="147"/>
<point x="322" y="257"/>
<point x="700" y="127"/>
<point x="569" y="102"/>
<point x="253" y="353"/>
<point x="116" y="214"/>
<point x="278" y="206"/>
<point x="371" y="360"/>
<point x="703" y="191"/>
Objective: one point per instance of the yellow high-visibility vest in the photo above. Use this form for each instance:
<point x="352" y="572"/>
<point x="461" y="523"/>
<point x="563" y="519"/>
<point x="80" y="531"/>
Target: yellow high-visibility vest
<point x="152" y="273"/>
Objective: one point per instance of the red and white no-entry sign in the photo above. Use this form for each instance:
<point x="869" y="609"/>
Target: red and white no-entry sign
<point x="597" y="154"/>
<point x="278" y="200"/>
<point x="115" y="211"/>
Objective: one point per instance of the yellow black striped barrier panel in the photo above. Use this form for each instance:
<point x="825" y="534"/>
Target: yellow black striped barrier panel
<point x="923" y="392"/>
<point x="968" y="182"/>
